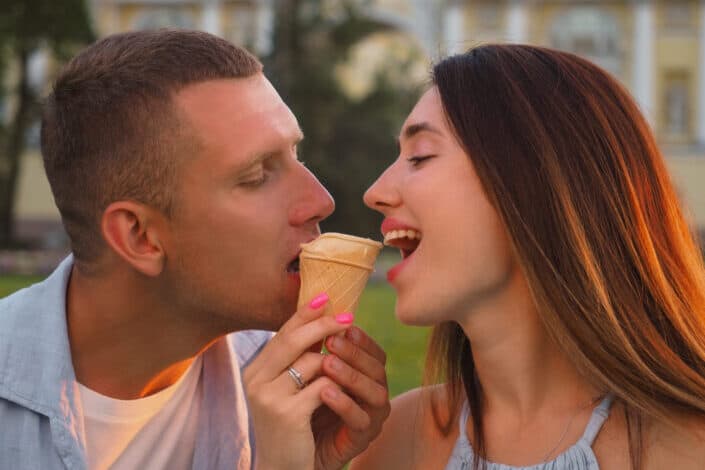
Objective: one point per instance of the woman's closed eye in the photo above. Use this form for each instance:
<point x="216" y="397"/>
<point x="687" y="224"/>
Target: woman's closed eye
<point x="418" y="159"/>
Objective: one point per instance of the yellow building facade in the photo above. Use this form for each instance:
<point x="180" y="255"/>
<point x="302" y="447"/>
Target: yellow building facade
<point x="656" y="48"/>
<point x="244" y="22"/>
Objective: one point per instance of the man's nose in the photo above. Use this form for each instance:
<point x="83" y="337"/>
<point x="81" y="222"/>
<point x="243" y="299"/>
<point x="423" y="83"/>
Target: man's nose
<point x="313" y="203"/>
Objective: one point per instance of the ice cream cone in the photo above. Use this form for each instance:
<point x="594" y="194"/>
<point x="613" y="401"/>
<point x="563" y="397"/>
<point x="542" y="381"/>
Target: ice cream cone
<point x="338" y="265"/>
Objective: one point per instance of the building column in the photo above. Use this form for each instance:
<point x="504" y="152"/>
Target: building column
<point x="643" y="47"/>
<point x="265" y="25"/>
<point x="700" y="129"/>
<point x="517" y="22"/>
<point x="426" y="23"/>
<point x="210" y="18"/>
<point x="453" y="24"/>
<point x="38" y="65"/>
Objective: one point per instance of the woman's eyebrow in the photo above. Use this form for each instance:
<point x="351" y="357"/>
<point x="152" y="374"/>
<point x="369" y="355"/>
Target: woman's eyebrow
<point x="413" y="129"/>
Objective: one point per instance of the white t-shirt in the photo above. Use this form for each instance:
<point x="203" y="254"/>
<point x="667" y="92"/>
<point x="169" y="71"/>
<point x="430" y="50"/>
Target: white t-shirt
<point x="155" y="432"/>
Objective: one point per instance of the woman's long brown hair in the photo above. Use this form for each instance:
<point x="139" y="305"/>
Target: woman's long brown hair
<point x="574" y="172"/>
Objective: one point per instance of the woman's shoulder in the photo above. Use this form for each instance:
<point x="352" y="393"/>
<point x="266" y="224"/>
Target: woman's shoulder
<point x="405" y="436"/>
<point x="680" y="444"/>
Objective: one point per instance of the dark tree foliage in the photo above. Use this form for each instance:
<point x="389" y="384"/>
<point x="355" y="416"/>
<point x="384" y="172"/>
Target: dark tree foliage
<point x="348" y="141"/>
<point x="25" y="27"/>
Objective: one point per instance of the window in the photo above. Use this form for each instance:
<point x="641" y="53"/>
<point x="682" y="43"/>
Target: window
<point x="676" y="105"/>
<point x="488" y="16"/>
<point x="590" y="32"/>
<point x="677" y="15"/>
<point x="241" y="29"/>
<point x="155" y="18"/>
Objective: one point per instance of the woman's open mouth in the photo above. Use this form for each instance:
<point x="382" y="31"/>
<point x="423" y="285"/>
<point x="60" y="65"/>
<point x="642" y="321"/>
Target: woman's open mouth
<point x="406" y="240"/>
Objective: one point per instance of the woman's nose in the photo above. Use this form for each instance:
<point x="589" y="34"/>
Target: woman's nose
<point x="383" y="193"/>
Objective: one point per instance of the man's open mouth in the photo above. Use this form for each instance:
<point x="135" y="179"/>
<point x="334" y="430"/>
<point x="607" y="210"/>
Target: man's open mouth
<point x="406" y="240"/>
<point x="293" y="266"/>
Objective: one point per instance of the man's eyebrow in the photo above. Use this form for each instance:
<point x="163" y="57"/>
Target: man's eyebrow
<point x="252" y="161"/>
<point x="413" y="129"/>
<point x="260" y="157"/>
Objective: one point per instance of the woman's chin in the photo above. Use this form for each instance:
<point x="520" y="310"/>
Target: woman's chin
<point x="414" y="316"/>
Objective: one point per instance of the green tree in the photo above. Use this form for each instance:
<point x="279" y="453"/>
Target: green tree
<point x="348" y="141"/>
<point x="27" y="26"/>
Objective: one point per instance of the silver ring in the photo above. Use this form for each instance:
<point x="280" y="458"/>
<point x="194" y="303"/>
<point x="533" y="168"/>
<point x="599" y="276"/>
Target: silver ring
<point x="297" y="378"/>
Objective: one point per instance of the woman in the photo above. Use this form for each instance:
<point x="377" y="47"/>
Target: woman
<point x="542" y="238"/>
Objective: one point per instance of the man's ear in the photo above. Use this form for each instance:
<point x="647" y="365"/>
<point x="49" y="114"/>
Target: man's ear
<point x="132" y="230"/>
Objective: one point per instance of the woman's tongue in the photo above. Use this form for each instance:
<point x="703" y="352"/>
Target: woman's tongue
<point x="406" y="246"/>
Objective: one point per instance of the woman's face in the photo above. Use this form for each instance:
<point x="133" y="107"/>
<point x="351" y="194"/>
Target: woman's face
<point x="457" y="255"/>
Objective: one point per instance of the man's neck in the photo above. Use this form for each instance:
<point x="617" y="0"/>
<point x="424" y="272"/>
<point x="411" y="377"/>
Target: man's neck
<point x="124" y="342"/>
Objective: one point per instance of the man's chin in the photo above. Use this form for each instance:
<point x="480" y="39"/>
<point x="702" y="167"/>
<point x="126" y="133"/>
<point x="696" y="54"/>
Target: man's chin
<point x="281" y="315"/>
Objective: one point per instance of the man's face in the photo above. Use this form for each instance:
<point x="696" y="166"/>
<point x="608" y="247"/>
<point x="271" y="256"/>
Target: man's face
<point x="244" y="204"/>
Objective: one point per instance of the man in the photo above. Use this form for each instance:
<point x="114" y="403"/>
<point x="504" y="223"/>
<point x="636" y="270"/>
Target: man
<point x="173" y="163"/>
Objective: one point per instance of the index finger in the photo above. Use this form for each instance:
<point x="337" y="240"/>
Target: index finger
<point x="286" y="347"/>
<point x="366" y="343"/>
<point x="308" y="312"/>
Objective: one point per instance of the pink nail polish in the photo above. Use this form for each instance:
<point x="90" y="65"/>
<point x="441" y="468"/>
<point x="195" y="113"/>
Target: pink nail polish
<point x="344" y="318"/>
<point x="319" y="301"/>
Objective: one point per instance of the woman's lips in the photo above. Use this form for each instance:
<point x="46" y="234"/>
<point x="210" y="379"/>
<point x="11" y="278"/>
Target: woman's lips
<point x="394" y="271"/>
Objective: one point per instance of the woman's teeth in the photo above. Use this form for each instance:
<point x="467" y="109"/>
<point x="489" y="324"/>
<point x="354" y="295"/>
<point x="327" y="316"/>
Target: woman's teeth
<point x="399" y="234"/>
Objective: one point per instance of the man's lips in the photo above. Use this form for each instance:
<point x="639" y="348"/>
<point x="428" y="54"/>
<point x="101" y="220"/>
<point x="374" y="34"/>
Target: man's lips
<point x="292" y="266"/>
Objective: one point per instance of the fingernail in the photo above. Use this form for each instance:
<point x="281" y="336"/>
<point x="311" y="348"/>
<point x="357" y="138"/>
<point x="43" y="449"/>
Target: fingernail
<point x="344" y="318"/>
<point x="334" y="342"/>
<point x="319" y="301"/>
<point x="331" y="393"/>
<point x="354" y="335"/>
<point x="336" y="364"/>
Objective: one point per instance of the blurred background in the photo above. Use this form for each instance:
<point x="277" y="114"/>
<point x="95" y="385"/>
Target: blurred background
<point x="350" y="70"/>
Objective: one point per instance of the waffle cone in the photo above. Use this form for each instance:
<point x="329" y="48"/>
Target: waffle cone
<point x="338" y="265"/>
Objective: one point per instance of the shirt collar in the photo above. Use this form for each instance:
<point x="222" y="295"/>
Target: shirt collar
<point x="35" y="356"/>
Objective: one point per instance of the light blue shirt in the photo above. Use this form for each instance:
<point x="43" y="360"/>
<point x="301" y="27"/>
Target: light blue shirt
<point x="41" y="422"/>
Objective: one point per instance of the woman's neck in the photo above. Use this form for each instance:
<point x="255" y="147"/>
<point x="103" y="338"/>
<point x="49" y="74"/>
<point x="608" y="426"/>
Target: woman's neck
<point x="522" y="371"/>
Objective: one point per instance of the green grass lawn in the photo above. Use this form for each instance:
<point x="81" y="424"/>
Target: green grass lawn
<point x="9" y="284"/>
<point x="405" y="345"/>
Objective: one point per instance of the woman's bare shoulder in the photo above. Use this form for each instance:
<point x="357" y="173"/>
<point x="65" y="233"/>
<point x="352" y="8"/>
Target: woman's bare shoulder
<point x="680" y="444"/>
<point x="404" y="441"/>
<point x="677" y="445"/>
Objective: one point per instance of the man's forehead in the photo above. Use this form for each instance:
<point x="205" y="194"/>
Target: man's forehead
<point x="233" y="93"/>
<point x="232" y="105"/>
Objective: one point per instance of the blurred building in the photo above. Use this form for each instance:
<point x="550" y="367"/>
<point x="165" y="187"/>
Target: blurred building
<point x="655" y="47"/>
<point x="244" y="22"/>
